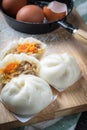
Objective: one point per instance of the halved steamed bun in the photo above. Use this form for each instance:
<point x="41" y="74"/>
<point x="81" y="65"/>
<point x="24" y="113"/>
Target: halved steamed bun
<point x="30" y="46"/>
<point x="59" y="70"/>
<point x="15" y="64"/>
<point x="26" y="95"/>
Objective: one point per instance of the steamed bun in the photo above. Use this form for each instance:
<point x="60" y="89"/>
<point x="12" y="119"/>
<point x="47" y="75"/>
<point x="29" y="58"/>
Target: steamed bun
<point x="59" y="70"/>
<point x="15" y="64"/>
<point x="26" y="95"/>
<point x="29" y="46"/>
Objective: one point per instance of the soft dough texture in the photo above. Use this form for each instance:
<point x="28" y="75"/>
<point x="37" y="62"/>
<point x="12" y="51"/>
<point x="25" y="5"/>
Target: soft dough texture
<point x="59" y="70"/>
<point x="15" y="64"/>
<point x="26" y="95"/>
<point x="12" y="48"/>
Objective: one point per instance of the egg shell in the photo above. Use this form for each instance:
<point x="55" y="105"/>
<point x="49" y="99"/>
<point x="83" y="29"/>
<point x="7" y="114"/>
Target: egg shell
<point x="52" y="16"/>
<point x="11" y="7"/>
<point x="30" y="13"/>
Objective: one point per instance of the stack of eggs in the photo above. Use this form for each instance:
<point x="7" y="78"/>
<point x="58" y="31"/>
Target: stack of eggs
<point x="34" y="13"/>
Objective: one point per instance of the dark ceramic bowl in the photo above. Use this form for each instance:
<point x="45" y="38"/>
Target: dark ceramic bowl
<point x="39" y="28"/>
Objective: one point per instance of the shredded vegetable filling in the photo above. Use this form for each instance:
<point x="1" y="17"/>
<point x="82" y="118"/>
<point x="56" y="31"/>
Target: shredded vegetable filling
<point x="29" y="48"/>
<point x="14" y="69"/>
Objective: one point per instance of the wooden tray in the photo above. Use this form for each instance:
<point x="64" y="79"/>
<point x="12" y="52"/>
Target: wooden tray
<point x="71" y="101"/>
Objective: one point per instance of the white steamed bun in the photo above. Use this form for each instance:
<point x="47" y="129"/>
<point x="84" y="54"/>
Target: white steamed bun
<point x="59" y="70"/>
<point x="26" y="95"/>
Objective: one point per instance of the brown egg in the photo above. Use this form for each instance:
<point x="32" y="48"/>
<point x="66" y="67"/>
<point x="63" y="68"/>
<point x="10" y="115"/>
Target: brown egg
<point x="11" y="7"/>
<point x="55" y="11"/>
<point x="30" y="13"/>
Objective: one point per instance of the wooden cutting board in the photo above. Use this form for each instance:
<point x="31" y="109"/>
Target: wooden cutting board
<point x="72" y="100"/>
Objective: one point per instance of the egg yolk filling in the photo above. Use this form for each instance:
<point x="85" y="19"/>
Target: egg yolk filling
<point x="32" y="48"/>
<point x="14" y="69"/>
<point x="10" y="68"/>
<point x="28" y="48"/>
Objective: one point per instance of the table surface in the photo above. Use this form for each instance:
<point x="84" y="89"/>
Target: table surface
<point x="82" y="122"/>
<point x="57" y="41"/>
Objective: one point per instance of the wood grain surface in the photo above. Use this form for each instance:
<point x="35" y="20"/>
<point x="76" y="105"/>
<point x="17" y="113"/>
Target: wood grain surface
<point x="72" y="100"/>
